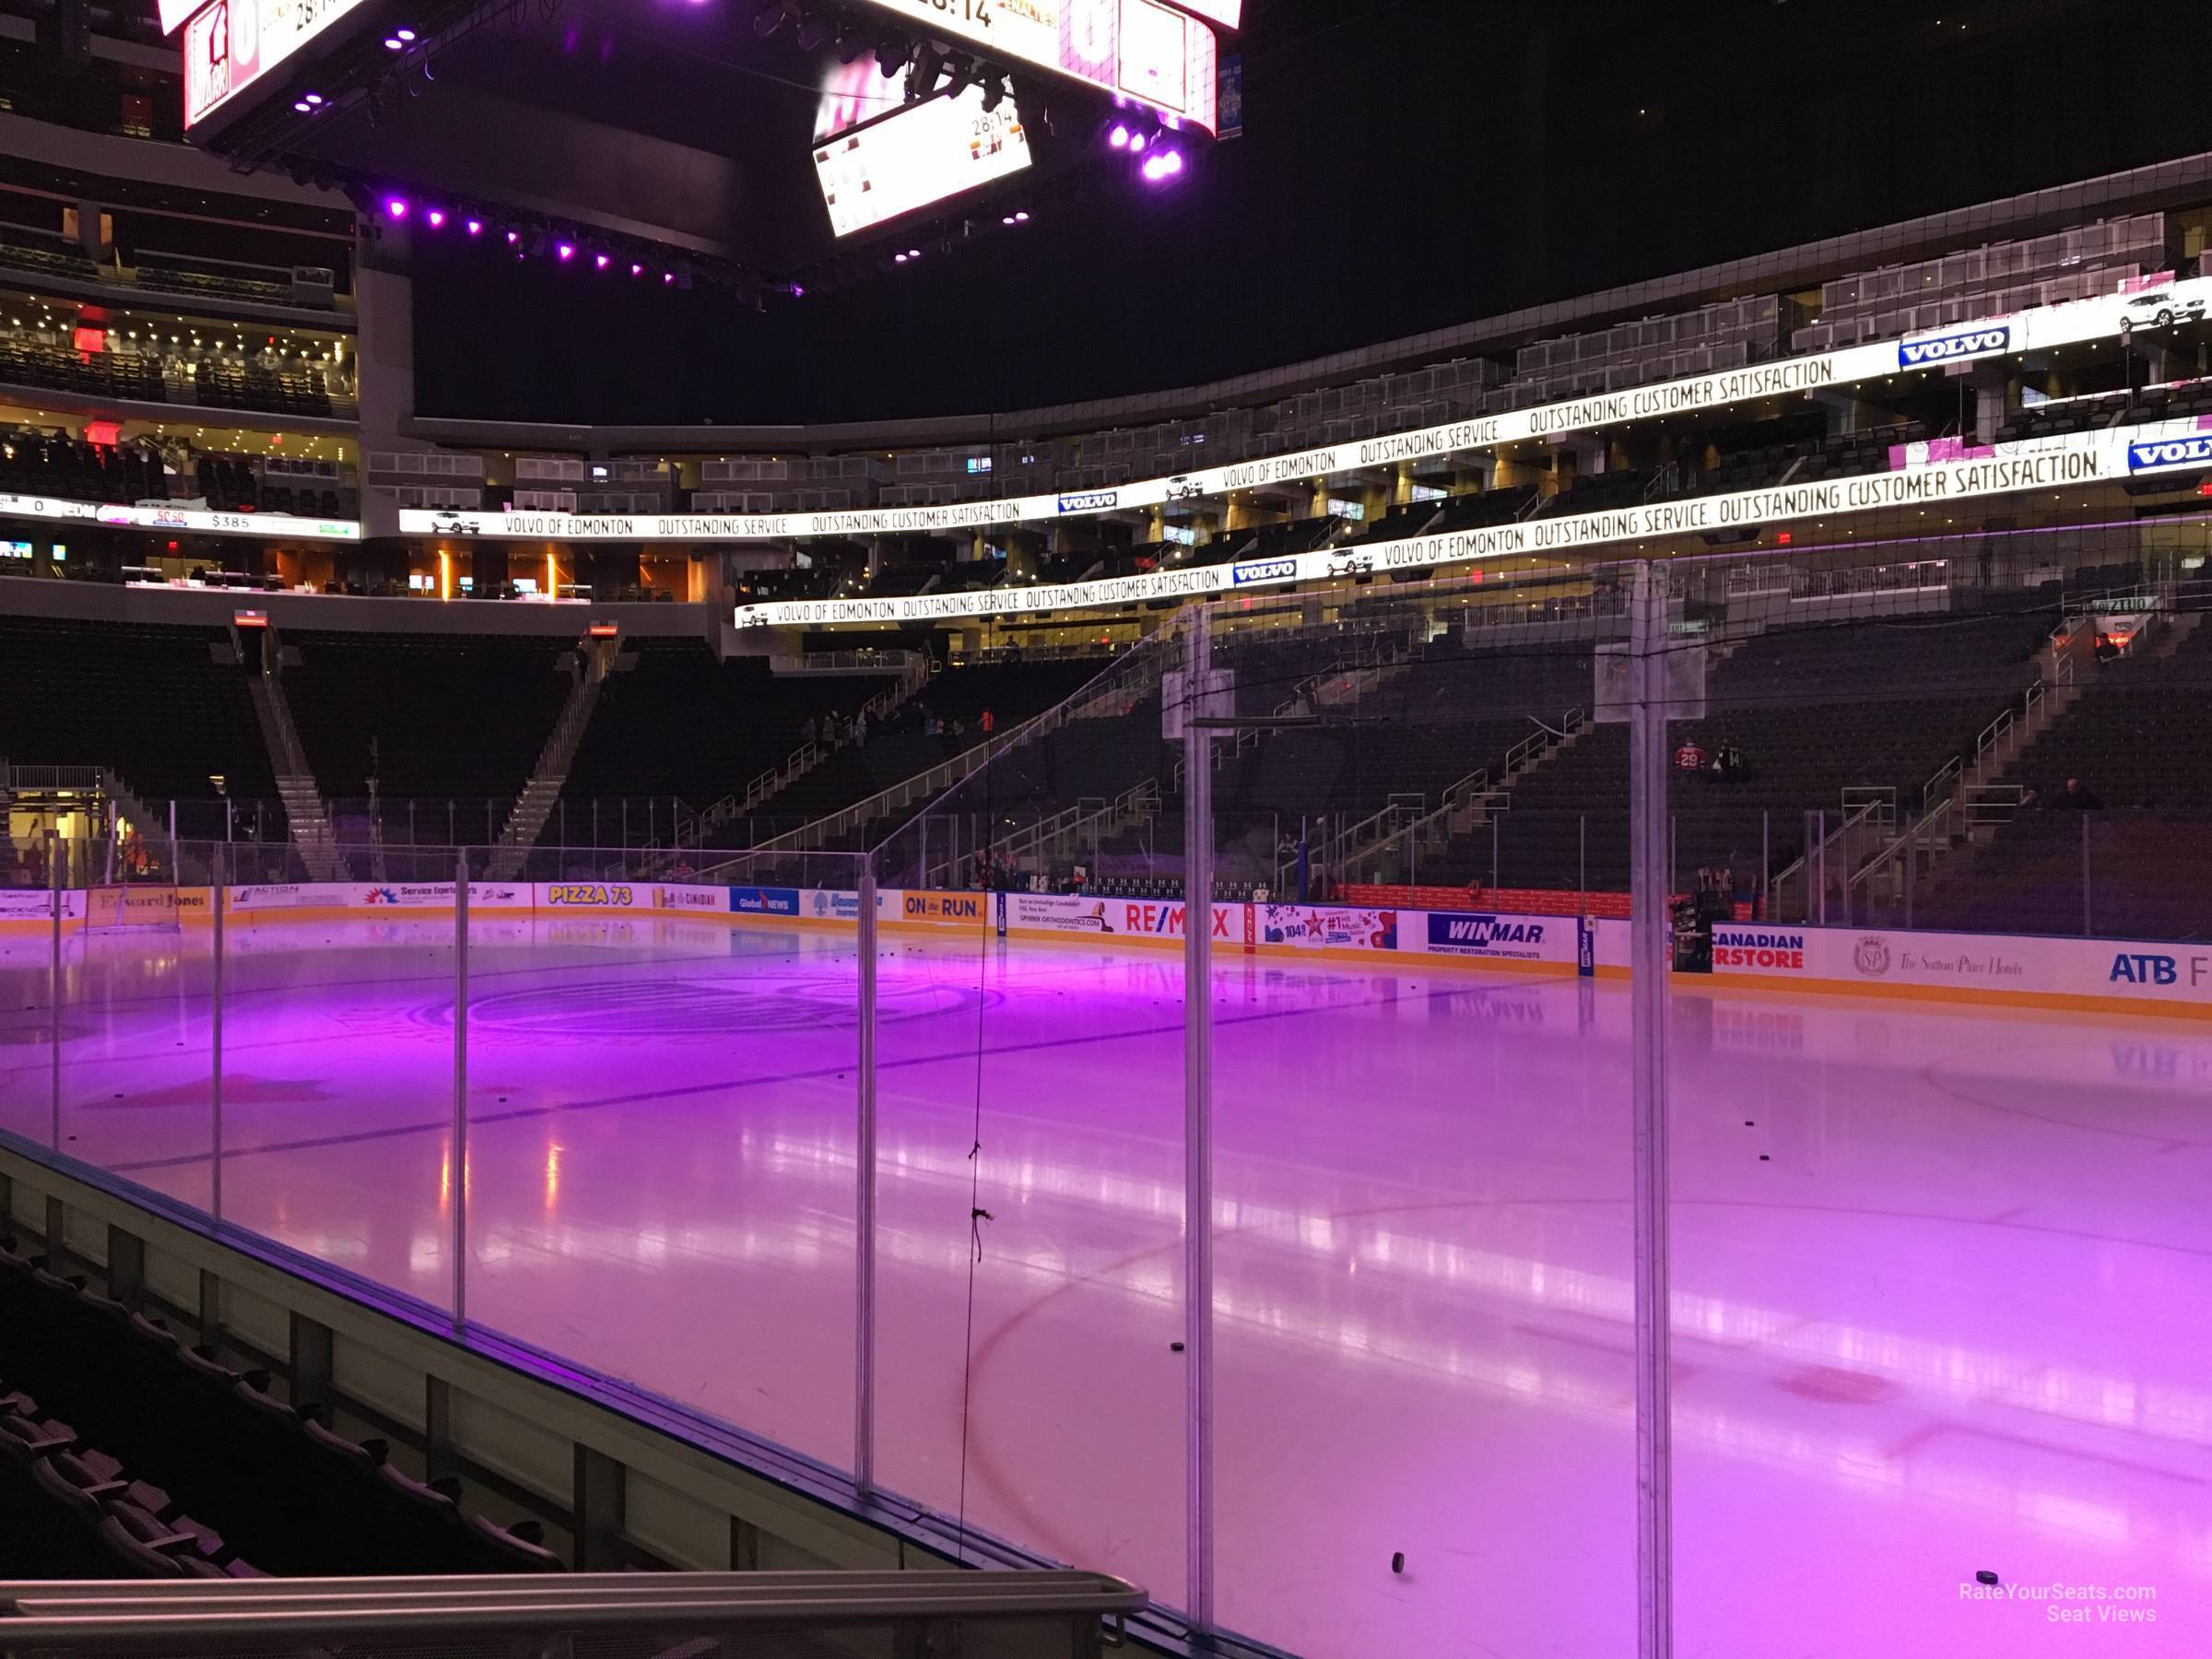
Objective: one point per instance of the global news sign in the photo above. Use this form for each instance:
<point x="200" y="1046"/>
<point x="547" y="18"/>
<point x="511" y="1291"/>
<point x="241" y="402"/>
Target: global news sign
<point x="1983" y="341"/>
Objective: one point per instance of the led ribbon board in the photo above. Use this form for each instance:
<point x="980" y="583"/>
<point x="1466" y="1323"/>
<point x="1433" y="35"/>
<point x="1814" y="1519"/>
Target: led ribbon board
<point x="2075" y="459"/>
<point x="2044" y="327"/>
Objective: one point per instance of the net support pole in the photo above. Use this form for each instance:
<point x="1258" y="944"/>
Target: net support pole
<point x="221" y="874"/>
<point x="458" y="1209"/>
<point x="1648" y="857"/>
<point x="54" y="980"/>
<point x="1197" y="1130"/>
<point x="863" y="1201"/>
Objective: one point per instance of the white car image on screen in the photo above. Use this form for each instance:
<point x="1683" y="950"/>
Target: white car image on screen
<point x="2159" y="310"/>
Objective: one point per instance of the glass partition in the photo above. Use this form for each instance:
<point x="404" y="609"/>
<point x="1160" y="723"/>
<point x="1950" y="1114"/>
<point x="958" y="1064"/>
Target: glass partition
<point x="1029" y="1157"/>
<point x="662" y="1099"/>
<point x="1422" y="1303"/>
<point x="1937" y="1069"/>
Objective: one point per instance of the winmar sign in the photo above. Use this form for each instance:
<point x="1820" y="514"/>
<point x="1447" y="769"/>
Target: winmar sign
<point x="1949" y="348"/>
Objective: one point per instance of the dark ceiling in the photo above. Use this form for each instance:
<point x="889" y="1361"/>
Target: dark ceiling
<point x="1406" y="164"/>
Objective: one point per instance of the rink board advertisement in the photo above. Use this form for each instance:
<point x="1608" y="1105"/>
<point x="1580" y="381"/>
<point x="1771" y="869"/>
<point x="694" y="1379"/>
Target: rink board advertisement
<point x="2097" y="975"/>
<point x="2105" y="974"/>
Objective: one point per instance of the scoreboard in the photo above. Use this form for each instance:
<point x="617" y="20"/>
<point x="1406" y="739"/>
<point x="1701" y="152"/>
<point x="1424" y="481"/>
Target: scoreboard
<point x="1162" y="54"/>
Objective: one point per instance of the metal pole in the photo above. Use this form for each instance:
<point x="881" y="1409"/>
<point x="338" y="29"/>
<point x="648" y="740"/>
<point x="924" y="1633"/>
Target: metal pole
<point x="175" y="875"/>
<point x="54" y="978"/>
<point x="230" y="830"/>
<point x="1493" y="851"/>
<point x="1820" y="829"/>
<point x="1649" y="900"/>
<point x="214" y="1042"/>
<point x="460" y="1157"/>
<point x="1582" y="861"/>
<point x="863" y="1202"/>
<point x="1912" y="858"/>
<point x="1766" y="866"/>
<point x="1197" y="1132"/>
<point x="2085" y="929"/>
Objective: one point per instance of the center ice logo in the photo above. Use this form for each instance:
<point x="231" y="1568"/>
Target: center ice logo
<point x="1949" y="348"/>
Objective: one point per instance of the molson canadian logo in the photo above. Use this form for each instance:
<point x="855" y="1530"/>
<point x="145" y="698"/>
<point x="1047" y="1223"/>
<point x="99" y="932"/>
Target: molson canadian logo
<point x="1948" y="348"/>
<point x="588" y="892"/>
<point x="2171" y="451"/>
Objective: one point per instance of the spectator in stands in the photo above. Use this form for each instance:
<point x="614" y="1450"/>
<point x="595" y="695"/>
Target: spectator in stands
<point x="2077" y="798"/>
<point x="1691" y="756"/>
<point x="807" y="729"/>
<point x="860" y="728"/>
<point x="989" y="723"/>
<point x="2106" y="648"/>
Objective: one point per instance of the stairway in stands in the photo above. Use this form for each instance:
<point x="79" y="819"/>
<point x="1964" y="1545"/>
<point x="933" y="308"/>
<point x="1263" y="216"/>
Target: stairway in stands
<point x="526" y="821"/>
<point x="304" y="812"/>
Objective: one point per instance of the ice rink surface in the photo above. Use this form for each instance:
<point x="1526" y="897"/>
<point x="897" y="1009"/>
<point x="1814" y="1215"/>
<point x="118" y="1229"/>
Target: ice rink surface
<point x="1943" y="1275"/>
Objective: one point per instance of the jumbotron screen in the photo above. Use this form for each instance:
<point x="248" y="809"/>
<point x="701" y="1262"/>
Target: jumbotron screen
<point x="915" y="156"/>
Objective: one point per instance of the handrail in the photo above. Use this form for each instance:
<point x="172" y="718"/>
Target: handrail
<point x="191" y="1616"/>
<point x="1108" y="683"/>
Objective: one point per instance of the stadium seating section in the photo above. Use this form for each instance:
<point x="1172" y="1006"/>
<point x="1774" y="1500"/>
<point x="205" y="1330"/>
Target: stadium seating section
<point x="433" y="717"/>
<point x="149" y="702"/>
<point x="125" y="1454"/>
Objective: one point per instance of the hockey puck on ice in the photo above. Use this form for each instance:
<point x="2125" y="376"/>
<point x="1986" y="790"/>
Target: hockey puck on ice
<point x="1174" y="1348"/>
<point x="1986" y="1577"/>
<point x="1397" y="1561"/>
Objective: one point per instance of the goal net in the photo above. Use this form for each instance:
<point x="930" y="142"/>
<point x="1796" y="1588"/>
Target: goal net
<point x="138" y="904"/>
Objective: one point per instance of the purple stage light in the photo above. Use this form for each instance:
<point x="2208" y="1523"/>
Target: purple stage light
<point x="314" y="98"/>
<point x="436" y="217"/>
<point x="475" y="227"/>
<point x="1119" y="137"/>
<point x="566" y="251"/>
<point x="304" y="107"/>
<point x="636" y="269"/>
<point x="513" y="237"/>
<point x="898" y="259"/>
<point x="1022" y="217"/>
<point x="599" y="260"/>
<point x="393" y="43"/>
<point x="1137" y="144"/>
<point x="404" y="34"/>
<point x="396" y="206"/>
<point x="1172" y="163"/>
<point x="913" y="252"/>
<point x="1156" y="168"/>
<point x="668" y="277"/>
<point x="797" y="291"/>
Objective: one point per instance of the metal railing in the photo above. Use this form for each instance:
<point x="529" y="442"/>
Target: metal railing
<point x="1103" y="694"/>
<point x="653" y="1616"/>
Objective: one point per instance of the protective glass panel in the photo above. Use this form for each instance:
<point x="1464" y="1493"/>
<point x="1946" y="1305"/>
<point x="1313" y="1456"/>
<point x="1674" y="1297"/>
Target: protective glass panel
<point x="662" y="1087"/>
<point x="339" y="995"/>
<point x="1423" y="1392"/>
<point x="1937" y="1255"/>
<point x="1029" y="1098"/>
